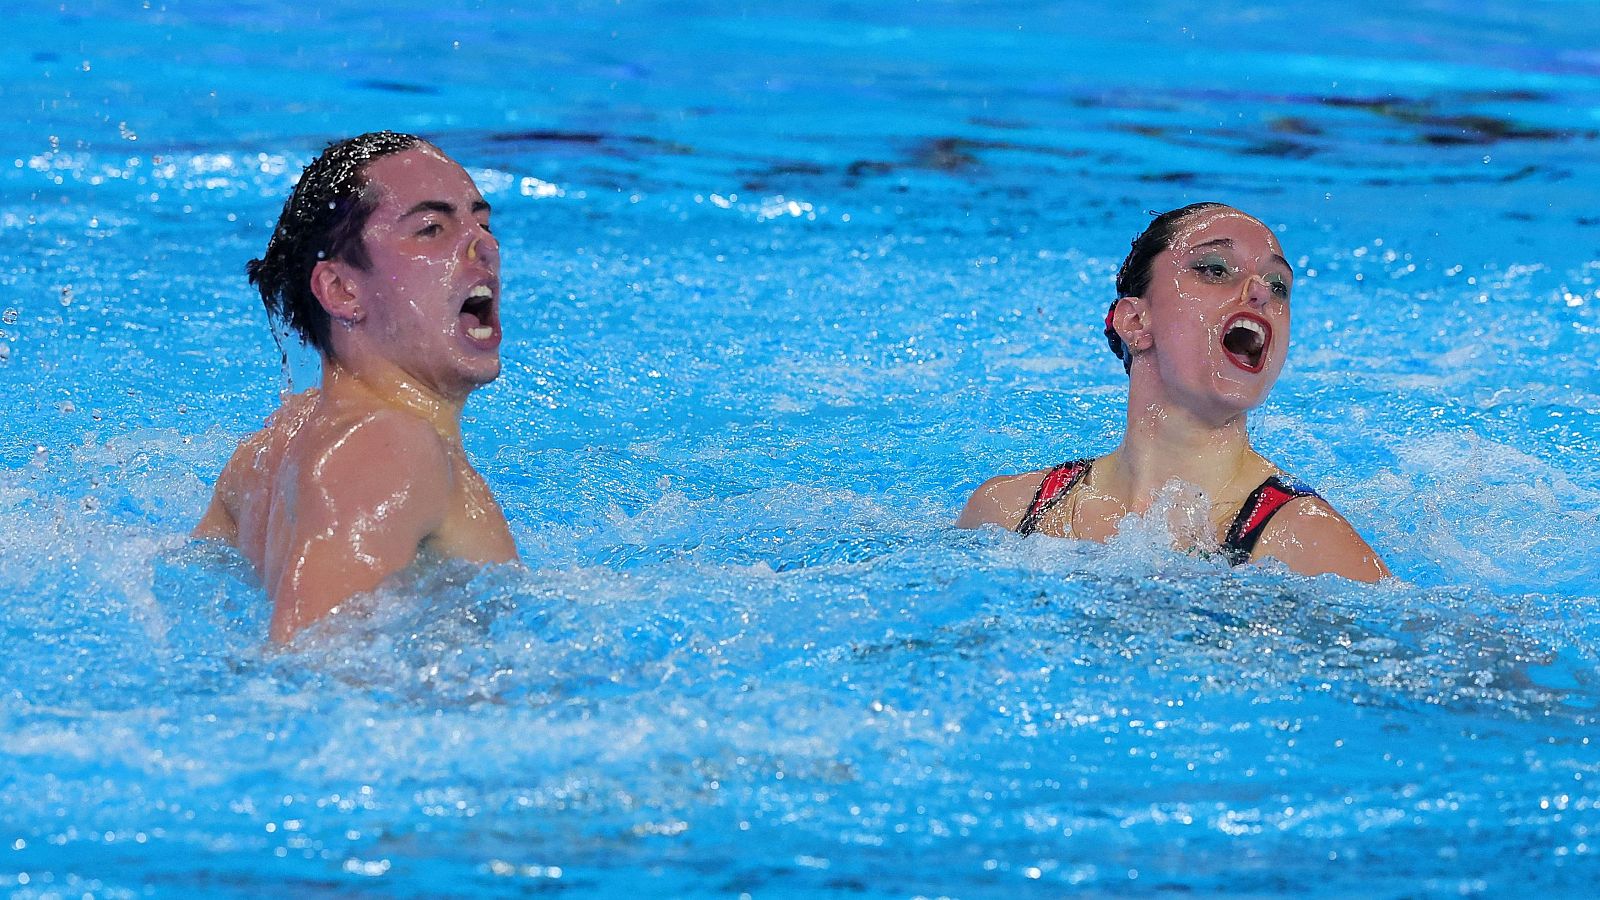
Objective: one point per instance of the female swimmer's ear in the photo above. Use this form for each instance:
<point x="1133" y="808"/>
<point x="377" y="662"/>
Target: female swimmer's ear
<point x="336" y="291"/>
<point x="1130" y="318"/>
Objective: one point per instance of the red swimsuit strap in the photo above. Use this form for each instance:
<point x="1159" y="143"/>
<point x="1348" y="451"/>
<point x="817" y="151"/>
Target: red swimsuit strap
<point x="1258" y="509"/>
<point x="1057" y="483"/>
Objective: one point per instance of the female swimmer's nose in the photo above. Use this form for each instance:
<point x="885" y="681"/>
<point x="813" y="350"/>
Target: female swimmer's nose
<point x="1257" y="290"/>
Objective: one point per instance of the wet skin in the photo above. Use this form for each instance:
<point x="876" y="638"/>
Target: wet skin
<point x="1209" y="339"/>
<point x="346" y="484"/>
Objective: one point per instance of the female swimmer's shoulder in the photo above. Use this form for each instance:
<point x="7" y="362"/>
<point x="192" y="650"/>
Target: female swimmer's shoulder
<point x="1002" y="500"/>
<point x="1310" y="537"/>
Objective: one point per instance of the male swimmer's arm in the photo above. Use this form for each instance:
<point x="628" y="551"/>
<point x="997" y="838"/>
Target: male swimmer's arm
<point x="1001" y="500"/>
<point x="1312" y="539"/>
<point x="218" y="522"/>
<point x="360" y="512"/>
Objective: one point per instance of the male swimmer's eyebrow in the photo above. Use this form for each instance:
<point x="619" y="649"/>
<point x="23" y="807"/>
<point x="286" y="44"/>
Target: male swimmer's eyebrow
<point x="441" y="206"/>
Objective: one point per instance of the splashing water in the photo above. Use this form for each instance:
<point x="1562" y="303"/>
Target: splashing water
<point x="779" y="292"/>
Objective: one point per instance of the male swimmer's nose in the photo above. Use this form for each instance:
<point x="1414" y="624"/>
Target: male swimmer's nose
<point x="482" y="246"/>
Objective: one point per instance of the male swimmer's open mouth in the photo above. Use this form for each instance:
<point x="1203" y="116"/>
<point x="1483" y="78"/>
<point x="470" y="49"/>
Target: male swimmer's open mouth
<point x="480" y="319"/>
<point x="1245" y="339"/>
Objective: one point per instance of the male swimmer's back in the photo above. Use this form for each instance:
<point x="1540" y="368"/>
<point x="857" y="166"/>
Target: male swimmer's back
<point x="249" y="481"/>
<point x="258" y="485"/>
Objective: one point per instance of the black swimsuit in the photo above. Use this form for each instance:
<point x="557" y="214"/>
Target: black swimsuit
<point x="1240" y="542"/>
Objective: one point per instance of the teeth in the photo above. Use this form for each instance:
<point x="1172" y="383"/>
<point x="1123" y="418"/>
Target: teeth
<point x="481" y="333"/>
<point x="1249" y="325"/>
<point x="481" y="290"/>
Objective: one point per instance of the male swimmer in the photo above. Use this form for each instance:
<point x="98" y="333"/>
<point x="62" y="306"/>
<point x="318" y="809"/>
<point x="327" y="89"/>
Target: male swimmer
<point x="1202" y="326"/>
<point x="384" y="262"/>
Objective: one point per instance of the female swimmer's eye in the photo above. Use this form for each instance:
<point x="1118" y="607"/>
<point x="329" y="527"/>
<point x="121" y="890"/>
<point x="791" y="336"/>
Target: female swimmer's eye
<point x="1280" y="288"/>
<point x="429" y="230"/>
<point x="1213" y="267"/>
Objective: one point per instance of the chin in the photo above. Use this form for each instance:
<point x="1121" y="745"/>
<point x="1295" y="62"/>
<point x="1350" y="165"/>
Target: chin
<point x="482" y="376"/>
<point x="475" y="374"/>
<point x="1236" y="397"/>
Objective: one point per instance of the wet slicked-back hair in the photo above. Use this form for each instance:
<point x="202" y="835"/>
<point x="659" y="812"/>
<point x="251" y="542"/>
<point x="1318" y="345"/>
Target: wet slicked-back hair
<point x="322" y="219"/>
<point x="1133" y="279"/>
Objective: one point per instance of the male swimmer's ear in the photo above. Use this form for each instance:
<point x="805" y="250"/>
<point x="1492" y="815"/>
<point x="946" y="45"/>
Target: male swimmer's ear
<point x="335" y="290"/>
<point x="1130" y="319"/>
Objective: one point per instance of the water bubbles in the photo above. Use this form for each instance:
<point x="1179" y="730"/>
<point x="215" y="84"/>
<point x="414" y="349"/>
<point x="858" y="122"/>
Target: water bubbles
<point x="66" y="295"/>
<point x="533" y="187"/>
<point x="9" y="317"/>
<point x="369" y="868"/>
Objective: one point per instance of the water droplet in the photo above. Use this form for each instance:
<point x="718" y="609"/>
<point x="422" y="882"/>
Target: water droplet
<point x="9" y="316"/>
<point x="66" y="295"/>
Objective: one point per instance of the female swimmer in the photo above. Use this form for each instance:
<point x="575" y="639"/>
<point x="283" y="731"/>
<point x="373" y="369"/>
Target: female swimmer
<point x="1201" y="322"/>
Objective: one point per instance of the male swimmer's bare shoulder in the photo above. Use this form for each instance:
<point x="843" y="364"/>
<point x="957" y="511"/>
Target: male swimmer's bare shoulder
<point x="1002" y="500"/>
<point x="388" y="460"/>
<point x="378" y="444"/>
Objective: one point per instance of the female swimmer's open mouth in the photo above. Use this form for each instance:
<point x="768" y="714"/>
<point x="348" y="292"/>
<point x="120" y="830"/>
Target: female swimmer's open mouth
<point x="1245" y="339"/>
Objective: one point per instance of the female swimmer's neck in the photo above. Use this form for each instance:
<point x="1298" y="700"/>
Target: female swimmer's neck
<point x="375" y="387"/>
<point x="1165" y="442"/>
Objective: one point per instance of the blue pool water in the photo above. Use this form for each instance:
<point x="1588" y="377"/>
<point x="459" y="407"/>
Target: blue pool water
<point x="784" y="283"/>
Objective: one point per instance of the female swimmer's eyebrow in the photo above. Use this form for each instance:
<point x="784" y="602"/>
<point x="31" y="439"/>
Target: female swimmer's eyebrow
<point x="1228" y="242"/>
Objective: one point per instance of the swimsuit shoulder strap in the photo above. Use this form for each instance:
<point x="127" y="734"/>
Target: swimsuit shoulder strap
<point x="1262" y="504"/>
<point x="1055" y="486"/>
